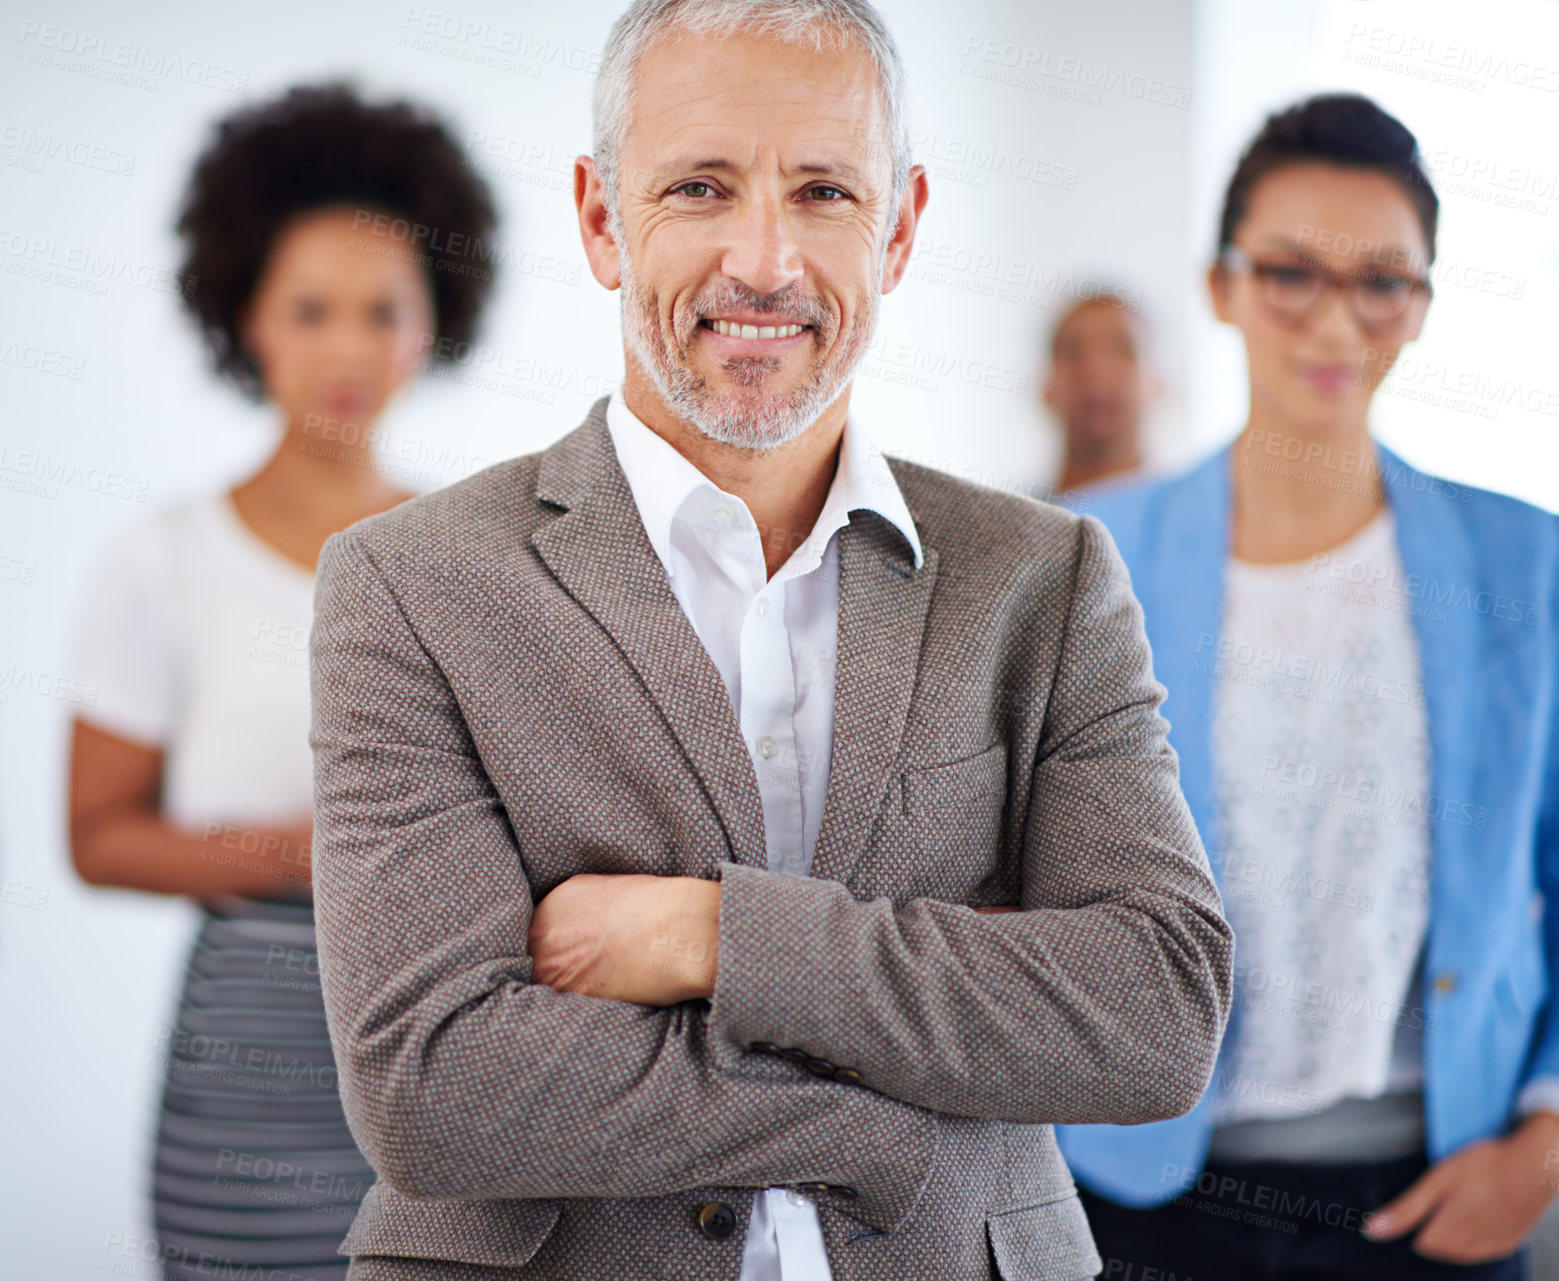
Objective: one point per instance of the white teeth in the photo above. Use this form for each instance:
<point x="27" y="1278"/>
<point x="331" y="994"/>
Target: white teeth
<point x="735" y="330"/>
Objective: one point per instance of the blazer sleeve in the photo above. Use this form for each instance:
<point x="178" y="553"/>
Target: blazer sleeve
<point x="462" y="1079"/>
<point x="1103" y="1000"/>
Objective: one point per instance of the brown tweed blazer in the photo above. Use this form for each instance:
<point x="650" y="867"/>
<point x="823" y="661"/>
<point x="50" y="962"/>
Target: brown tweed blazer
<point x="506" y="692"/>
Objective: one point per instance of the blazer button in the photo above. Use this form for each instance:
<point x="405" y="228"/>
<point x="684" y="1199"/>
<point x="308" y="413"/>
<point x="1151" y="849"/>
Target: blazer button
<point x="820" y="1067"/>
<point x="716" y="1220"/>
<point x="848" y="1075"/>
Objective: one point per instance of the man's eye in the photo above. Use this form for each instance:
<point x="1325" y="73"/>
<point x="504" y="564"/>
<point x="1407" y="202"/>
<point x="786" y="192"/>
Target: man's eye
<point x="829" y="193"/>
<point x="697" y="190"/>
<point x="1292" y="275"/>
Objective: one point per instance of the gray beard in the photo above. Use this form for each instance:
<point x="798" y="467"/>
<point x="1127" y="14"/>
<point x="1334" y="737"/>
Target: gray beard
<point x="763" y="422"/>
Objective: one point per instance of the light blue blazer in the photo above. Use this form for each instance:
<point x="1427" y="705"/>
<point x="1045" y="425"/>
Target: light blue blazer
<point x="1484" y="568"/>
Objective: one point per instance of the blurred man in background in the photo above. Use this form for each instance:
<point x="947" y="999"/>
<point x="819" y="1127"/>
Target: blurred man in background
<point x="1101" y="384"/>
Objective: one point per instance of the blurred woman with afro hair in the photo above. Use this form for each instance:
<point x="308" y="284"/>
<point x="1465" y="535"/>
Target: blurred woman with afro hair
<point x="313" y="225"/>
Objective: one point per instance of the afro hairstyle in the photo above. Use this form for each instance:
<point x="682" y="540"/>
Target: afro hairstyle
<point x="314" y="147"/>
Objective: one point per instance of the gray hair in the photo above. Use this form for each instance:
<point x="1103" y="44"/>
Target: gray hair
<point x="812" y="22"/>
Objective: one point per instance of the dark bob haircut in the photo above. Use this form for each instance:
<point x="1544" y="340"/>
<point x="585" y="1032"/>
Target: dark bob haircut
<point x="318" y="146"/>
<point x="1345" y="129"/>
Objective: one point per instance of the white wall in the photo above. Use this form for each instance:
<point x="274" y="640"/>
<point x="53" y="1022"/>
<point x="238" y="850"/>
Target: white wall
<point x="112" y="381"/>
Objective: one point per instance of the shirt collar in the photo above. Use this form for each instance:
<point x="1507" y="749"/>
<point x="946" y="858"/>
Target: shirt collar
<point x="662" y="480"/>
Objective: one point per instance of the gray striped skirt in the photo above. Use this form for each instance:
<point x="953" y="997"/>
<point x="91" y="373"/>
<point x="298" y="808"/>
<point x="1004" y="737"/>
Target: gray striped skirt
<point x="256" y="1174"/>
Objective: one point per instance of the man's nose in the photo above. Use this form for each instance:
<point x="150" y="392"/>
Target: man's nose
<point x="762" y="252"/>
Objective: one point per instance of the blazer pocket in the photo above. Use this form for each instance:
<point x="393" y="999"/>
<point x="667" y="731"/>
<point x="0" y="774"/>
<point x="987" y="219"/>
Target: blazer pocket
<point x="501" y="1232"/>
<point x="943" y="790"/>
<point x="954" y="814"/>
<point x="938" y="833"/>
<point x="1050" y="1241"/>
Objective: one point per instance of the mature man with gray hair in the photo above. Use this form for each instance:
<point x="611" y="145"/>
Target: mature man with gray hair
<point x="735" y="848"/>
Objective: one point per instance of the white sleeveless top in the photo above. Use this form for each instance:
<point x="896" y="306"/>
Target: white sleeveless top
<point x="194" y="637"/>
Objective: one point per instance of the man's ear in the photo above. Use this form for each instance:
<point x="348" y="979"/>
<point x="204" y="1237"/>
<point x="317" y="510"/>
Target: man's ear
<point x="1155" y="386"/>
<point x="1047" y="394"/>
<point x="902" y="239"/>
<point x="595" y="229"/>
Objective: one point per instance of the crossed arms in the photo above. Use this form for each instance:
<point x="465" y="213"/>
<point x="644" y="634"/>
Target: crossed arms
<point x="465" y="1077"/>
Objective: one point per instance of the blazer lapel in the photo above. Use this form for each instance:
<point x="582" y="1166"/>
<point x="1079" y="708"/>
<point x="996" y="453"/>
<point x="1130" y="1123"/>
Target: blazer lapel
<point x="599" y="552"/>
<point x="1437" y="553"/>
<point x="883" y="601"/>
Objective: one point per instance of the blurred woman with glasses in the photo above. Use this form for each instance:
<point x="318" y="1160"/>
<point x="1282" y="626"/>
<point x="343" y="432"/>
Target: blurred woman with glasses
<point x="308" y="224"/>
<point x="1362" y="664"/>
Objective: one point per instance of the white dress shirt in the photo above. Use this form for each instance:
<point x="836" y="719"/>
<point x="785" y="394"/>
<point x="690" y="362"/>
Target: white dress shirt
<point x="774" y="644"/>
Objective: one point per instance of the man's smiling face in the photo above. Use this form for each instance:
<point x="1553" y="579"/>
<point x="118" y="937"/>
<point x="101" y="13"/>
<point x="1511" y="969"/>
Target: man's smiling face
<point x="755" y="202"/>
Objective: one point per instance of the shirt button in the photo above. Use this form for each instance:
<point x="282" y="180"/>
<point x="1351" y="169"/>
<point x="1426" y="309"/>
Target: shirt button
<point x="1445" y="981"/>
<point x="722" y="514"/>
<point x="763" y="607"/>
<point x="767" y="747"/>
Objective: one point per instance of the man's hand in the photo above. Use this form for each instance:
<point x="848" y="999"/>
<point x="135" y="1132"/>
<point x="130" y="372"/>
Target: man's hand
<point x="654" y="940"/>
<point x="1482" y="1201"/>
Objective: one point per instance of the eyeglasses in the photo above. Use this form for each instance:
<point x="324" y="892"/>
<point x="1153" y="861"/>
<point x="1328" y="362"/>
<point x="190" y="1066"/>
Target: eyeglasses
<point x="1294" y="290"/>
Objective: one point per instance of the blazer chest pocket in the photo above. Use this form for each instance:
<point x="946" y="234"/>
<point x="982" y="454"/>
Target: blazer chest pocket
<point x="940" y="791"/>
<point x="501" y="1232"/>
<point x="948" y="827"/>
